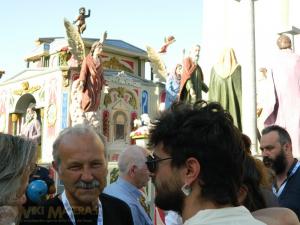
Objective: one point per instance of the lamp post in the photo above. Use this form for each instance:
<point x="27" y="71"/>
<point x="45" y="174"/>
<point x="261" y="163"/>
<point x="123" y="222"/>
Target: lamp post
<point x="249" y="118"/>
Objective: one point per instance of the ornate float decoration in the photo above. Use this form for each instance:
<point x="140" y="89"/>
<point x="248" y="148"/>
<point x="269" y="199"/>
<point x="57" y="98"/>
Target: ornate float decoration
<point x="141" y="132"/>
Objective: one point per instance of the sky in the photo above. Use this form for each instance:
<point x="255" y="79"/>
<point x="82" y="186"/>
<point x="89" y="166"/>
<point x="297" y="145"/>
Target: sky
<point x="137" y="22"/>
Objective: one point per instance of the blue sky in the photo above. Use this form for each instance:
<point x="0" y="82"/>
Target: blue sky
<point x="138" y="22"/>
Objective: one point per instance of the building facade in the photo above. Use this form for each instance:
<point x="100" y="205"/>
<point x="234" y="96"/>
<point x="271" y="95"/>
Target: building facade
<point x="47" y="83"/>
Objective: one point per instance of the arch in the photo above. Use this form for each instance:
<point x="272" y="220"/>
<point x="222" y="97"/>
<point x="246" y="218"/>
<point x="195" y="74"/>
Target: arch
<point x="24" y="102"/>
<point x="120" y="122"/>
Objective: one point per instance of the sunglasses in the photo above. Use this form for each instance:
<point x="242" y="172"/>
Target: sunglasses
<point x="152" y="162"/>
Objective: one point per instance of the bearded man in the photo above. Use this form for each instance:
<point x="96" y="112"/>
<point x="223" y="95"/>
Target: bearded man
<point x="197" y="163"/>
<point x="276" y="147"/>
<point x="192" y="80"/>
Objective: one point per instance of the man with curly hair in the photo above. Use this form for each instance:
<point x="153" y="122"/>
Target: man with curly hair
<point x="197" y="165"/>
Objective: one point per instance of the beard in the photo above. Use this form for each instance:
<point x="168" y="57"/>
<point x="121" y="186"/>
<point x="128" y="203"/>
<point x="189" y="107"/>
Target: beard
<point x="196" y="59"/>
<point x="278" y="164"/>
<point x="169" y="196"/>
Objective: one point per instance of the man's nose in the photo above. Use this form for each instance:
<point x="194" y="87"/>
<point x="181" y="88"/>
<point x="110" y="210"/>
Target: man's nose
<point x="87" y="175"/>
<point x="264" y="153"/>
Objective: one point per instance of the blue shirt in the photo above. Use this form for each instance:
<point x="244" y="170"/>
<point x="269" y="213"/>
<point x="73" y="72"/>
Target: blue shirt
<point x="128" y="193"/>
<point x="172" y="89"/>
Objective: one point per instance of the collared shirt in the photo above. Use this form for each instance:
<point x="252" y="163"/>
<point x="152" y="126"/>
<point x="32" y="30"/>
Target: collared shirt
<point x="128" y="193"/>
<point x="293" y="169"/>
<point x="228" y="216"/>
<point x="289" y="195"/>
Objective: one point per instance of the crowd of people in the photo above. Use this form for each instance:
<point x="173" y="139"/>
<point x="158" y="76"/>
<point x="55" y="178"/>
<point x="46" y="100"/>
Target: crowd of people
<point x="198" y="160"/>
<point x="201" y="167"/>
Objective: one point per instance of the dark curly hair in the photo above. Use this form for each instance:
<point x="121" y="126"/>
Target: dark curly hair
<point x="206" y="132"/>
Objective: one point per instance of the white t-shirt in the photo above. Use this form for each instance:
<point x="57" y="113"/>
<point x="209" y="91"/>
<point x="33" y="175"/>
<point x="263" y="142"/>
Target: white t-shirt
<point x="229" y="216"/>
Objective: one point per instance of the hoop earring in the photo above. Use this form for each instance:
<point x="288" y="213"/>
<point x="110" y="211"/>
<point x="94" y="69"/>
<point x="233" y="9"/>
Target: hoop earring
<point x="186" y="189"/>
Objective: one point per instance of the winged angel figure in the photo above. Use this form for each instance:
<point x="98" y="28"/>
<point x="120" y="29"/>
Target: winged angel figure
<point x="157" y="64"/>
<point x="86" y="91"/>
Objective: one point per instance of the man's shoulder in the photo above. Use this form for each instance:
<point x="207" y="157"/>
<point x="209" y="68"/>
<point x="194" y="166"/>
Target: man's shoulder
<point x="113" y="188"/>
<point x="50" y="212"/>
<point x="110" y="206"/>
<point x="110" y="202"/>
<point x="296" y="177"/>
<point x="107" y="199"/>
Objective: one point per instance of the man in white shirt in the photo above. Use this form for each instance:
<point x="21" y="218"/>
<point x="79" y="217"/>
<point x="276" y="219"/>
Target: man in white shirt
<point x="197" y="165"/>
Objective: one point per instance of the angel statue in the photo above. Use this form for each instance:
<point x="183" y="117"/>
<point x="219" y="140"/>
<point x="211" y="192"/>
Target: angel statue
<point x="157" y="64"/>
<point x="81" y="20"/>
<point x="159" y="68"/>
<point x="86" y="91"/>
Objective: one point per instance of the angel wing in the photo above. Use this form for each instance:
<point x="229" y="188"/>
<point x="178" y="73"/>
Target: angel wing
<point x="75" y="41"/>
<point x="156" y="62"/>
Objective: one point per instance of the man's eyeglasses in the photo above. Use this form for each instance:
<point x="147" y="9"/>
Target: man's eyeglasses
<point x="152" y="162"/>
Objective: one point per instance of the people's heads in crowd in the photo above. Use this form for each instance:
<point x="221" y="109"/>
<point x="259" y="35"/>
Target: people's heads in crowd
<point x="251" y="195"/>
<point x="18" y="158"/>
<point x="247" y="143"/>
<point x="79" y="159"/>
<point x="132" y="166"/>
<point x="276" y="147"/>
<point x="284" y="42"/>
<point x="267" y="175"/>
<point x="198" y="153"/>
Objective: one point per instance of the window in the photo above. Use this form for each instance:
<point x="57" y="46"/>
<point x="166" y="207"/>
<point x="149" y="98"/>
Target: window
<point x="120" y="122"/>
<point x="46" y="61"/>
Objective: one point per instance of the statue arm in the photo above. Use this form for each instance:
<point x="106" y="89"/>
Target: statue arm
<point x="89" y="14"/>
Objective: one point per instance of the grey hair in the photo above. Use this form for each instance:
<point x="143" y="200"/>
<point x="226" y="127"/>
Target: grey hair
<point x="79" y="129"/>
<point x="17" y="155"/>
<point x="132" y="155"/>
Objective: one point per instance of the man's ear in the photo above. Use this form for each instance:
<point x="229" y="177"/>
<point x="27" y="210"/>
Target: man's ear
<point x="193" y="169"/>
<point x="287" y="147"/>
<point x="131" y="171"/>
